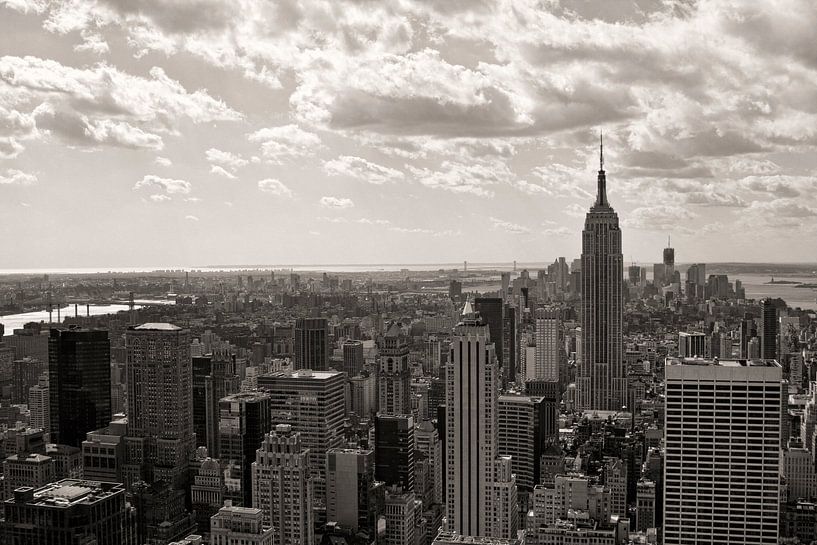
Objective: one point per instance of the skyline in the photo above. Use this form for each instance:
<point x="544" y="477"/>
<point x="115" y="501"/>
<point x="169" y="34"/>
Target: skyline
<point x="269" y="134"/>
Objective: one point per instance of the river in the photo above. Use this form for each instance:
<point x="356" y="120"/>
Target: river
<point x="16" y="321"/>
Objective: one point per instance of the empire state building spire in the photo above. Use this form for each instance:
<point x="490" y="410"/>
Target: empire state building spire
<point x="600" y="375"/>
<point x="601" y="196"/>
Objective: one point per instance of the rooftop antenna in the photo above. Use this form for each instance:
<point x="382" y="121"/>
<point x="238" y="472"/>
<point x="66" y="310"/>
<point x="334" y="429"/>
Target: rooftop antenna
<point x="601" y="150"/>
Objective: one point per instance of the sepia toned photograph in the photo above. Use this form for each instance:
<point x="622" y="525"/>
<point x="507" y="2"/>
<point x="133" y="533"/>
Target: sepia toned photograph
<point x="408" y="272"/>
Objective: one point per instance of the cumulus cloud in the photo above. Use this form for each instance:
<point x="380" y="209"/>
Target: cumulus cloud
<point x="102" y="105"/>
<point x="163" y="161"/>
<point x="169" y="185"/>
<point x="159" y="197"/>
<point x="226" y="159"/>
<point x="780" y="213"/>
<point x="274" y="187"/>
<point x="286" y="142"/>
<point x="474" y="178"/>
<point x="17" y="177"/>
<point x="362" y="169"/>
<point x="220" y="171"/>
<point x="191" y="218"/>
<point x="660" y="218"/>
<point x="336" y="202"/>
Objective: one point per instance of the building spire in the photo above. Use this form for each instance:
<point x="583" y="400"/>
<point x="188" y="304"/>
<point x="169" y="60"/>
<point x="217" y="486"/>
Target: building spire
<point x="601" y="150"/>
<point x="601" y="197"/>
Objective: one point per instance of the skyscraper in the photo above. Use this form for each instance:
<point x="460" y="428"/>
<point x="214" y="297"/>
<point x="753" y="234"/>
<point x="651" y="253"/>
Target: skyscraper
<point x="669" y="263"/>
<point x="311" y="344"/>
<point x="394" y="450"/>
<point x="394" y="378"/>
<point x="472" y="465"/>
<point x="353" y="358"/>
<point x="721" y="476"/>
<point x="79" y="382"/>
<point x="600" y="377"/>
<point x="160" y="404"/>
<point x="314" y="403"/>
<point x="354" y="498"/>
<point x="491" y="310"/>
<point x="549" y="345"/>
<point x="768" y="330"/>
<point x="244" y="420"/>
<point x="282" y="487"/>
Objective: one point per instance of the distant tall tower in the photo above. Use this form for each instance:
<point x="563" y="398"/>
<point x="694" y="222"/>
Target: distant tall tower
<point x="669" y="262"/>
<point x="79" y="382"/>
<point x="473" y="468"/>
<point x="395" y="376"/>
<point x="600" y="377"/>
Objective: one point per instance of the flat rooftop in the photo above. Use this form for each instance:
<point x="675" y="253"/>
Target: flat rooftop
<point x="303" y="374"/>
<point x="723" y="363"/>
<point x="157" y="326"/>
<point x="67" y="492"/>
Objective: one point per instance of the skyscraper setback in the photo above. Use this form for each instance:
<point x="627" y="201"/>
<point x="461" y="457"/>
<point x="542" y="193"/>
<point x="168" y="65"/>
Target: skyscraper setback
<point x="600" y="375"/>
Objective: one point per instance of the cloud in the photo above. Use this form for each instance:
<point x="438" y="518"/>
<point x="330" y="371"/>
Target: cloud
<point x="474" y="178"/>
<point x="361" y="169"/>
<point x="557" y="232"/>
<point x="163" y="161"/>
<point x="168" y="184"/>
<point x="563" y="181"/>
<point x="661" y="218"/>
<point x="575" y="210"/>
<point x="412" y="230"/>
<point x="780" y="213"/>
<point x="226" y="159"/>
<point x="274" y="187"/>
<point x="159" y="197"/>
<point x="216" y="169"/>
<point x="102" y="105"/>
<point x="17" y="177"/>
<point x="286" y="142"/>
<point x="191" y="218"/>
<point x="509" y="227"/>
<point x="336" y="202"/>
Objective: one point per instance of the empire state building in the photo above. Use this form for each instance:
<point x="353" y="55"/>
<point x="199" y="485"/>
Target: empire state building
<point x="601" y="379"/>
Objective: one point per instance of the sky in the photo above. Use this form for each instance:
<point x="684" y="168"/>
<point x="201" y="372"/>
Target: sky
<point x="196" y="132"/>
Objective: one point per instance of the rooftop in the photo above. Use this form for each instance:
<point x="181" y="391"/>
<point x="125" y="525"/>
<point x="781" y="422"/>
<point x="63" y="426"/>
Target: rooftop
<point x="303" y="374"/>
<point x="67" y="492"/>
<point x="157" y="326"/>
<point x="722" y="363"/>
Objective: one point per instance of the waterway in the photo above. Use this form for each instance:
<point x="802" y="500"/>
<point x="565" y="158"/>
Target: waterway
<point x="16" y="321"/>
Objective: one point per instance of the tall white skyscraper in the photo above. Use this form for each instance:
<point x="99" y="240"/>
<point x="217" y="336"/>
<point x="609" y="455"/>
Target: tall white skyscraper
<point x="722" y="471"/>
<point x="38" y="405"/>
<point x="600" y="376"/>
<point x="474" y="474"/>
<point x="282" y="486"/>
<point x="549" y="344"/>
